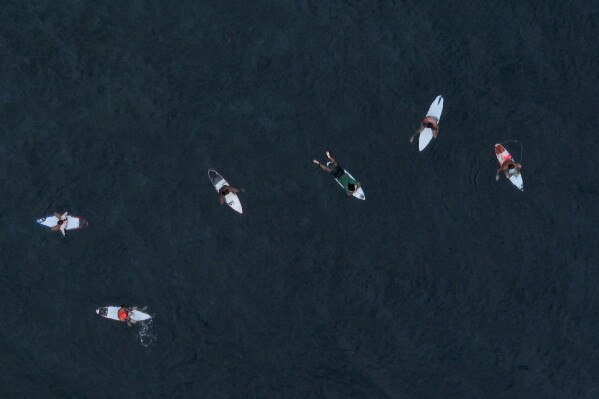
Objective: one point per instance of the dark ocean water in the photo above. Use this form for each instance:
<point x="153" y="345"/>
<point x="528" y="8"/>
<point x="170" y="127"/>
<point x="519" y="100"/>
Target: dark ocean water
<point x="442" y="284"/>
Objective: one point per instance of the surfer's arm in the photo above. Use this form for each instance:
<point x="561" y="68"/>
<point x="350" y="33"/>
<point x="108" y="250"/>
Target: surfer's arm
<point x="321" y="166"/>
<point x="235" y="190"/>
<point x="416" y="133"/>
<point x="221" y="198"/>
<point x="497" y="174"/>
<point x="435" y="132"/>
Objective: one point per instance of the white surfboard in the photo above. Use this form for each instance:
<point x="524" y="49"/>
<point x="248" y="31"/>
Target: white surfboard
<point x="231" y="199"/>
<point x="112" y="312"/>
<point x="359" y="193"/>
<point x="518" y="181"/>
<point x="427" y="134"/>
<point x="73" y="222"/>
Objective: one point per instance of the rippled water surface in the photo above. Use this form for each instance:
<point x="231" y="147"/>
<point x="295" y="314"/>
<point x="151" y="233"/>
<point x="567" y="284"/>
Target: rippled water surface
<point x="443" y="284"/>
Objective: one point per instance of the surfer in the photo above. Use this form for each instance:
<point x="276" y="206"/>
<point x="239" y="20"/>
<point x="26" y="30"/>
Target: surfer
<point x="428" y="122"/>
<point x="225" y="190"/>
<point x="124" y="315"/>
<point x="349" y="185"/>
<point x="62" y="223"/>
<point x="509" y="168"/>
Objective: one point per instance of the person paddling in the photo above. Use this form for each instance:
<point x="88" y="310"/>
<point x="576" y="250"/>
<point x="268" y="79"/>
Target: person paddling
<point x="349" y="185"/>
<point x="509" y="168"/>
<point x="62" y="223"/>
<point x="225" y="190"/>
<point x="428" y="122"/>
<point x="124" y="314"/>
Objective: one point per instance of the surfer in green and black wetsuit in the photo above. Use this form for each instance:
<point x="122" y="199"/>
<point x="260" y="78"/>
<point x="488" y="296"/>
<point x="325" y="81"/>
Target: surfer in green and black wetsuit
<point x="349" y="185"/>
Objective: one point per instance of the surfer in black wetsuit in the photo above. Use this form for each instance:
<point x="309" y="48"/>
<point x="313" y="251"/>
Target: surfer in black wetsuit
<point x="349" y="185"/>
<point x="336" y="170"/>
<point x="225" y="190"/>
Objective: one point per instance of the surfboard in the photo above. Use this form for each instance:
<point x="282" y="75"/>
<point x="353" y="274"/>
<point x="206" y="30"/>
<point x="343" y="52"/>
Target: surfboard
<point x="73" y="222"/>
<point x="359" y="193"/>
<point x="112" y="312"/>
<point x="231" y="199"/>
<point x="426" y="135"/>
<point x="503" y="155"/>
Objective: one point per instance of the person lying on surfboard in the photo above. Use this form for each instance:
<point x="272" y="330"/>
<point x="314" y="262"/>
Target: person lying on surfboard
<point x="509" y="168"/>
<point x="124" y="314"/>
<point x="62" y="223"/>
<point x="428" y="122"/>
<point x="224" y="190"/>
<point x="350" y="185"/>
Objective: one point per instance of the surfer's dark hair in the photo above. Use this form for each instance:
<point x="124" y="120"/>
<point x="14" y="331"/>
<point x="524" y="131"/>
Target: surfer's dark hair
<point x="60" y="222"/>
<point x="351" y="186"/>
<point x="511" y="166"/>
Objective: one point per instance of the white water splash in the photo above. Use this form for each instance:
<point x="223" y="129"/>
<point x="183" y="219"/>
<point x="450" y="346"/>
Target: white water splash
<point x="145" y="334"/>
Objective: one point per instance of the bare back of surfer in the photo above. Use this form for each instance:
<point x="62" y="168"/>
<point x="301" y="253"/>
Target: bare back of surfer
<point x="62" y="223"/>
<point x="350" y="185"/>
<point x="428" y="122"/>
<point x="509" y="168"/>
<point x="225" y="190"/>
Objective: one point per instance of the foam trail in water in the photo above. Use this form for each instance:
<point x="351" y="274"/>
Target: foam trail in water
<point x="146" y="335"/>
